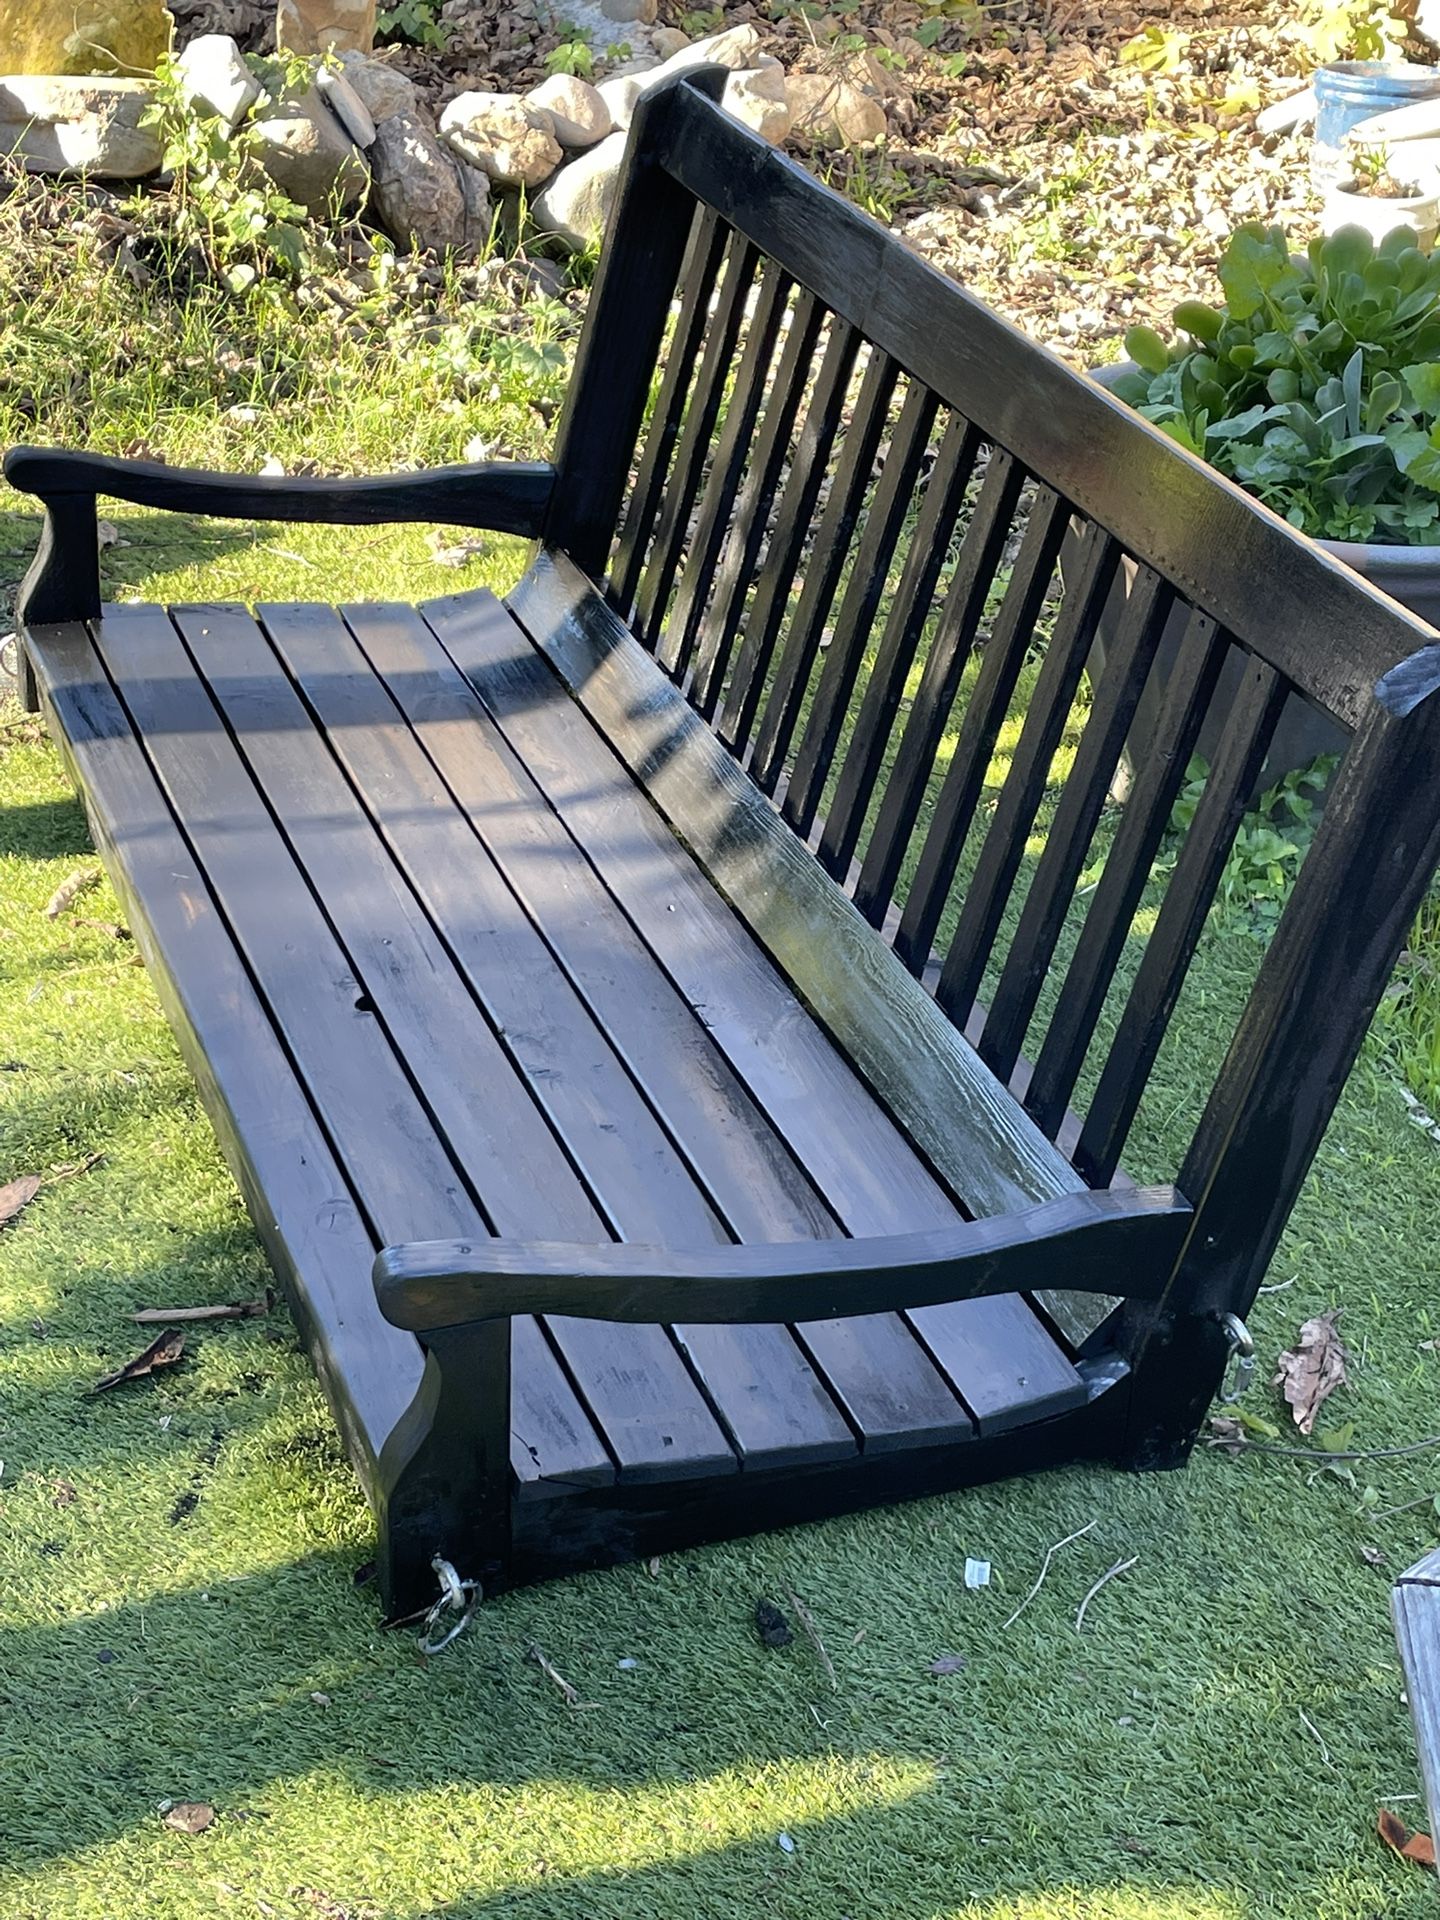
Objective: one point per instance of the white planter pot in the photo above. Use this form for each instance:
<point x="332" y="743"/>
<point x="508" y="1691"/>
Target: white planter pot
<point x="1347" y="207"/>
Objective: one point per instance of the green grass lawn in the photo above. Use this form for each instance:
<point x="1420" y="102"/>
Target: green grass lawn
<point x="180" y="1613"/>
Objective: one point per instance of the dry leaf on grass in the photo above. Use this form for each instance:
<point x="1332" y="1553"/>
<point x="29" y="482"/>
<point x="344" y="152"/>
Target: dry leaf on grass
<point x="1313" y="1368"/>
<point x="70" y="890"/>
<point x="164" y="1351"/>
<point x="190" y="1816"/>
<point x="1418" y="1847"/>
<point x="233" y="1310"/>
<point x="16" y="1195"/>
<point x="948" y="1663"/>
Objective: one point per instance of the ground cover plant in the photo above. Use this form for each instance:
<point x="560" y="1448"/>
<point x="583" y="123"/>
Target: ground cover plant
<point x="202" y="1714"/>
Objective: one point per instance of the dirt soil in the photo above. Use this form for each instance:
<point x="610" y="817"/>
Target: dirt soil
<point x="1077" y="163"/>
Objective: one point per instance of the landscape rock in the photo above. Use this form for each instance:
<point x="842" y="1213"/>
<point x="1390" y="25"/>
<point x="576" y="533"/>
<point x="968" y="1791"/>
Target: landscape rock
<point x="422" y="195"/>
<point x="346" y="105"/>
<point x="668" y="41"/>
<point x="512" y="144"/>
<point x="63" y="124"/>
<point x="308" y="154"/>
<point x="325" y="26"/>
<point x="735" y="48"/>
<point x="577" y="110"/>
<point x="216" y="79"/>
<point x="827" y="110"/>
<point x="630" y="12"/>
<point x="381" y="88"/>
<point x="82" y="36"/>
<point x="576" y="204"/>
<point x="620" y="94"/>
<point x="757" y="98"/>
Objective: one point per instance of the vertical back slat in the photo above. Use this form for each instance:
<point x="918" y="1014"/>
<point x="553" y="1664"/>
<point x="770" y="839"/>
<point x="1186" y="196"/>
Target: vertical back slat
<point x="640" y="263"/>
<point x="1053" y="886"/>
<point x="1001" y="661"/>
<point x="990" y="885"/>
<point x="810" y="457"/>
<point x="884" y="524"/>
<point x="718" y="501"/>
<point x="721" y="619"/>
<point x="696" y="438"/>
<point x="980" y="555"/>
<point x="1142" y="826"/>
<point x="909" y="612"/>
<point x="823" y="567"/>
<point x="698" y="275"/>
<point x="1178" y="924"/>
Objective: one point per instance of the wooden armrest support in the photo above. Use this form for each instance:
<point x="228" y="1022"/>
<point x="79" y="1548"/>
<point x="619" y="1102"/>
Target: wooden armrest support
<point x="1090" y="1242"/>
<point x="63" y="582"/>
<point x="505" y="497"/>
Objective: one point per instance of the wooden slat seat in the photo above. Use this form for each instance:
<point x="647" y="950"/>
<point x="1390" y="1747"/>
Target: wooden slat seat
<point x="514" y="1004"/>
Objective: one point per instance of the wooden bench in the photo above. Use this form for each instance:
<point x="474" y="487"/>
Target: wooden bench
<point x="1415" y="1603"/>
<point x="603" y="960"/>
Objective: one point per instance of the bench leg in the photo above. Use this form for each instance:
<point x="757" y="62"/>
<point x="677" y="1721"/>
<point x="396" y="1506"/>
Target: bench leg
<point x="1177" y="1366"/>
<point x="26" y="684"/>
<point x="446" y="1470"/>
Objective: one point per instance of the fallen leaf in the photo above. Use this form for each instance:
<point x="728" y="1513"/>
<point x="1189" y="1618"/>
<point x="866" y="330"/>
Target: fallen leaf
<point x="16" y="1195"/>
<point x="771" y="1625"/>
<point x="1372" y="1556"/>
<point x="1313" y="1368"/>
<point x="110" y="927"/>
<point x="234" y="1310"/>
<point x="163" y="1351"/>
<point x="948" y="1663"/>
<point x="70" y="889"/>
<point x="1418" y="1847"/>
<point x="190" y="1816"/>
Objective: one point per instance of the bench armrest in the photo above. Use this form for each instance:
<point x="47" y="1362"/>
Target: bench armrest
<point x="63" y="583"/>
<point x="1089" y="1242"/>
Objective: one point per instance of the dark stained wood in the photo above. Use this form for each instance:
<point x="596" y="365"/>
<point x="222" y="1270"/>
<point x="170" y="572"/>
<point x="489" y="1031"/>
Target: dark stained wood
<point x="698" y="275"/>
<point x="884" y="524"/>
<point x="677" y="640"/>
<point x="450" y="1283"/>
<point x="1001" y="660"/>
<point x="508" y="497"/>
<point x="1052" y="889"/>
<point x="988" y="888"/>
<point x="944" y="496"/>
<point x="695" y="446"/>
<point x="809" y="458"/>
<point x="1173" y="512"/>
<point x="645" y="246"/>
<point x="824" y="564"/>
<point x="721" y="620"/>
<point x="62" y="582"/>
<point x="762" y="1388"/>
<point x="1178" y="924"/>
<point x="900" y="803"/>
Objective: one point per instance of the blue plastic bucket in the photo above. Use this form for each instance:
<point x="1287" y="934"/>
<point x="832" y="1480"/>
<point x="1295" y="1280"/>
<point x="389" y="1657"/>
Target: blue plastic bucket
<point x="1349" y="91"/>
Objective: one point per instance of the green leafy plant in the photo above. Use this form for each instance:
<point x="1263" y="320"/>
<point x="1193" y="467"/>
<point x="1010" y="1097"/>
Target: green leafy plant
<point x="225" y="207"/>
<point x="1352" y="29"/>
<point x="573" y="55"/>
<point x="417" y="22"/>
<point x="1272" y="840"/>
<point x="1316" y="386"/>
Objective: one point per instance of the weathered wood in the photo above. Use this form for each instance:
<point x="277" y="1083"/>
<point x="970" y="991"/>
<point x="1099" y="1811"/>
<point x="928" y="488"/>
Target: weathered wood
<point x="1415" y="1603"/>
<point x="504" y="497"/>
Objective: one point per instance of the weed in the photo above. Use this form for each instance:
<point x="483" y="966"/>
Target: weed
<point x="573" y="55"/>
<point x="416" y="21"/>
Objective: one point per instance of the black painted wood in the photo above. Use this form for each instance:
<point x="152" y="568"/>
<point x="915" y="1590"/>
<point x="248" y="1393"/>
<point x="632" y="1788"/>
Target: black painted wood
<point x="1168" y="509"/>
<point x="697" y="280"/>
<point x="870" y="570"/>
<point x="855" y="789"/>
<point x="824" y="564"/>
<point x="959" y="621"/>
<point x="1002" y="657"/>
<point x="722" y="619"/>
<point x="505" y="497"/>
<point x="783" y="549"/>
<point x="450" y="1283"/>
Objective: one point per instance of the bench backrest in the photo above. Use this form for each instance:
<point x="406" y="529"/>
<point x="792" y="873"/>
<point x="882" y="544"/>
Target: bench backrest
<point x="840" y="532"/>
